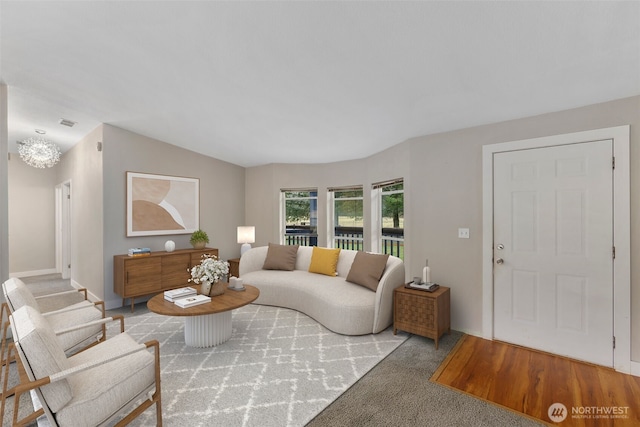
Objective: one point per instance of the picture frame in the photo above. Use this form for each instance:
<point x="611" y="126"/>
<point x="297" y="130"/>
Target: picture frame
<point x="162" y="204"/>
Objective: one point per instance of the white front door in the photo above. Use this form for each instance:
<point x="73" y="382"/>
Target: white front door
<point x="553" y="249"/>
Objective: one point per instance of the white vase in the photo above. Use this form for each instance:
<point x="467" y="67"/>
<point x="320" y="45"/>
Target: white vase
<point x="169" y="246"/>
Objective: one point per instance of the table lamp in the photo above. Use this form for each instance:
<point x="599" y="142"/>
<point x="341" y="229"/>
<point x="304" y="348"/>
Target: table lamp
<point x="246" y="236"/>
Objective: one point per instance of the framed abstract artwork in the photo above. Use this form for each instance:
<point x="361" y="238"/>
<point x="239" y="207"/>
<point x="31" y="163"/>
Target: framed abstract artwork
<point x="161" y="204"/>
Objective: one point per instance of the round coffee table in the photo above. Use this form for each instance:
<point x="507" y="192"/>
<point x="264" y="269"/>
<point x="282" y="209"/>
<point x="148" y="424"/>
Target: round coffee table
<point x="208" y="324"/>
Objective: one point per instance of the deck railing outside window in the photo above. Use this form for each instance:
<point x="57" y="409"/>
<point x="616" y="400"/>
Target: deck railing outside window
<point x="348" y="238"/>
<point x="301" y="235"/>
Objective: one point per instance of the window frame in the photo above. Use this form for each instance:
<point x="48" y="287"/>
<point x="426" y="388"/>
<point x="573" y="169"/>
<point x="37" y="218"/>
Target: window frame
<point x="332" y="240"/>
<point x="312" y="237"/>
<point x="377" y="238"/>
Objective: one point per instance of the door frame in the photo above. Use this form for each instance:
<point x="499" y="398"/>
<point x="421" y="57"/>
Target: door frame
<point x="63" y="229"/>
<point x="621" y="231"/>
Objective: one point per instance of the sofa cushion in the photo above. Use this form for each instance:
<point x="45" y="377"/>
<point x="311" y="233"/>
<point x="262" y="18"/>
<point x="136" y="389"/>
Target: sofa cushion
<point x="367" y="269"/>
<point x="336" y="304"/>
<point x="280" y="257"/>
<point x="324" y="261"/>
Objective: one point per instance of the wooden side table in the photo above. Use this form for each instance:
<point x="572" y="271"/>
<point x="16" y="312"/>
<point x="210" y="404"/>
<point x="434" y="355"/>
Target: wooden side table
<point x="234" y="267"/>
<point x="422" y="313"/>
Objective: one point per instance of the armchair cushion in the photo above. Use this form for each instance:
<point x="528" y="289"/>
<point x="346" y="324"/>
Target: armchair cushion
<point x="97" y="391"/>
<point x="43" y="352"/>
<point x="18" y="294"/>
<point x="69" y="318"/>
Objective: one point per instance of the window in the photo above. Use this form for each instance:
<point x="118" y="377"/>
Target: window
<point x="346" y="214"/>
<point x="300" y="217"/>
<point x="388" y="198"/>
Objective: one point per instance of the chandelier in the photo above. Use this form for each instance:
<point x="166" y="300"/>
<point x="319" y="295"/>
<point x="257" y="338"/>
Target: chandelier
<point x="38" y="152"/>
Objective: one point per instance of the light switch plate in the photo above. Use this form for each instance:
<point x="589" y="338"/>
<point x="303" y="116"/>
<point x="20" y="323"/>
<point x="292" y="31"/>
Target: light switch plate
<point x="463" y="233"/>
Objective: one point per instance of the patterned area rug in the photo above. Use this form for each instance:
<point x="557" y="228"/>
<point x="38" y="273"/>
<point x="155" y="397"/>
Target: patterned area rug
<point x="280" y="368"/>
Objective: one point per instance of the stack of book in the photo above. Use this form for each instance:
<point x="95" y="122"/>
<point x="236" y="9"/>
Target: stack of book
<point x="175" y="294"/>
<point x="428" y="286"/>
<point x="139" y="251"/>
<point x="192" y="300"/>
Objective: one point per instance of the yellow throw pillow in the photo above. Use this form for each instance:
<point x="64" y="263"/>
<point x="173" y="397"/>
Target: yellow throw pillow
<point x="324" y="261"/>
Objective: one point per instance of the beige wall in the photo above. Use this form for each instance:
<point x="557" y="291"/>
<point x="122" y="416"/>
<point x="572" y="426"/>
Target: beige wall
<point x="443" y="179"/>
<point x="31" y="199"/>
<point x="4" y="187"/>
<point x="82" y="166"/>
<point x="221" y="196"/>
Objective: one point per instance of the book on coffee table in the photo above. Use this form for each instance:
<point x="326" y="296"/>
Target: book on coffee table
<point x="192" y="300"/>
<point x="176" y="294"/>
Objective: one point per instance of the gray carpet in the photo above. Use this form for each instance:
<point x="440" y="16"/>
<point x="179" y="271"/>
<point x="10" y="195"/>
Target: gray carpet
<point x="397" y="392"/>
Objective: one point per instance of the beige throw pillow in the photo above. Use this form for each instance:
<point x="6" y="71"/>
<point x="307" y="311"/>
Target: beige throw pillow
<point x="367" y="269"/>
<point x="280" y="257"/>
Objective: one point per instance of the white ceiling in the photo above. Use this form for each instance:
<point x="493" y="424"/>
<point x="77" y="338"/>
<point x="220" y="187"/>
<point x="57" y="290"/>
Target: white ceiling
<point x="307" y="82"/>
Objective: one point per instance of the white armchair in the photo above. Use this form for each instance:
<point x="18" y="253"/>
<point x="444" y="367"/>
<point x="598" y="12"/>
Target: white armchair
<point x="78" y="326"/>
<point x="90" y="388"/>
<point x="17" y="295"/>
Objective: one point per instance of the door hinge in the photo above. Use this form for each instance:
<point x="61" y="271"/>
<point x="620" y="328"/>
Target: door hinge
<point x="614" y="252"/>
<point x="68" y="196"/>
<point x="613" y="163"/>
<point x="614" y="342"/>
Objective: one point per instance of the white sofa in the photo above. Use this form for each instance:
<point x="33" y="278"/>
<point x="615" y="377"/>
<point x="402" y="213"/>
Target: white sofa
<point x="341" y="306"/>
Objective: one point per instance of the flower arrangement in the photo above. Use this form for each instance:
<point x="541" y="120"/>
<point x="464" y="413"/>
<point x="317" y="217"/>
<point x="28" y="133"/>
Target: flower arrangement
<point x="210" y="269"/>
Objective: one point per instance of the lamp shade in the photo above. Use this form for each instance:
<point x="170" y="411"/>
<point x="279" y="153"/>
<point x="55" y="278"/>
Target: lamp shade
<point x="246" y="234"/>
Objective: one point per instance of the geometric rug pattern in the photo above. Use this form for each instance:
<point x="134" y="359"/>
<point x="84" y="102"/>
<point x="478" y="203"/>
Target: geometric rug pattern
<point x="279" y="368"/>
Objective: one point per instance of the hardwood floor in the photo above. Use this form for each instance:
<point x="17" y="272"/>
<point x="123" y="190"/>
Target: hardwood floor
<point x="529" y="382"/>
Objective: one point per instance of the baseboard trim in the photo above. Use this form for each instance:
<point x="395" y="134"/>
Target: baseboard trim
<point x="635" y="369"/>
<point x="113" y="304"/>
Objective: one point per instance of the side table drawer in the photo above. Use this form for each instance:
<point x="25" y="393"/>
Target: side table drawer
<point x="415" y="312"/>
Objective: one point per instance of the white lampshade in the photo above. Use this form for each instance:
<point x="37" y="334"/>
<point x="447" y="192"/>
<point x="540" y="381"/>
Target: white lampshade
<point x="246" y="235"/>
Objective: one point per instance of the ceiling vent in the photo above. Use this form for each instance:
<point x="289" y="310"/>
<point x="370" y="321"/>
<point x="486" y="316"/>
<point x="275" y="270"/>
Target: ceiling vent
<point x="65" y="122"/>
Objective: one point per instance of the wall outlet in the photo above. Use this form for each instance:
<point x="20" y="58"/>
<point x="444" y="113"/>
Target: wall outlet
<point x="463" y="233"/>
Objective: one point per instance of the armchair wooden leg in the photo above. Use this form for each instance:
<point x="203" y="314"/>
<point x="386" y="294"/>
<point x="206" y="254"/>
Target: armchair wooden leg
<point x="8" y="392"/>
<point x="3" y="345"/>
<point x="4" y="310"/>
<point x="5" y="386"/>
<point x="16" y="407"/>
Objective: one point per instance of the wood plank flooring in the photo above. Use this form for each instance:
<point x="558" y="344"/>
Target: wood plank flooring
<point x="529" y="382"/>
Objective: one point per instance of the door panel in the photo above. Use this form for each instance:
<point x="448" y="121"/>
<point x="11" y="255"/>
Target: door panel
<point x="553" y="213"/>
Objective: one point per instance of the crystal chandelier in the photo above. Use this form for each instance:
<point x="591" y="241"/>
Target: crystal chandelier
<point x="38" y="152"/>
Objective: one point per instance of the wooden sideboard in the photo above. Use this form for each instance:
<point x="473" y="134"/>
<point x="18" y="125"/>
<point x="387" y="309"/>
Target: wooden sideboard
<point x="149" y="274"/>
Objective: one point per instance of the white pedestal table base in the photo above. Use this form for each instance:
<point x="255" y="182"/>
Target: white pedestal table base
<point x="207" y="330"/>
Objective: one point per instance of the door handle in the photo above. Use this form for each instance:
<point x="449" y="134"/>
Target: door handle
<point x="499" y="261"/>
